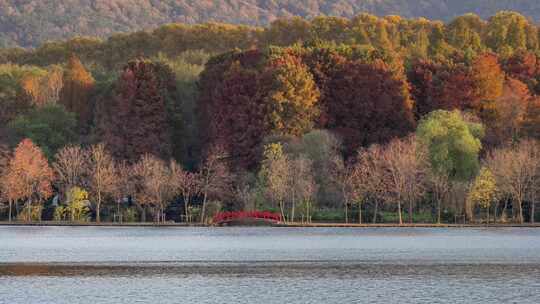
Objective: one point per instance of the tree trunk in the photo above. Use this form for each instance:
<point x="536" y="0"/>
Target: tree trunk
<point x="438" y="211"/>
<point x="143" y="217"/>
<point x="399" y="213"/>
<point x="309" y="212"/>
<point x="163" y="217"/>
<point x="186" y="205"/>
<point x="520" y="214"/>
<point x="503" y="212"/>
<point x="346" y="212"/>
<point x="375" y="212"/>
<point x="496" y="212"/>
<point x="410" y="212"/>
<point x="203" y="210"/>
<point x="29" y="211"/>
<point x="455" y="212"/>
<point x="359" y="213"/>
<point x="98" y="207"/>
<point x="9" y="217"/>
<point x="118" y="211"/>
<point x="487" y="209"/>
<point x="282" y="212"/>
<point x="532" y="212"/>
<point x="293" y="207"/>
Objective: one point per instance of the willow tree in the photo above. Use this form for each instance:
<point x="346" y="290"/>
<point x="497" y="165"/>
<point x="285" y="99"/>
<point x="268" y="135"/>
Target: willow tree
<point x="452" y="145"/>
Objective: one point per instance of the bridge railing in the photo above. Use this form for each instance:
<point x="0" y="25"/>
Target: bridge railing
<point x="235" y="215"/>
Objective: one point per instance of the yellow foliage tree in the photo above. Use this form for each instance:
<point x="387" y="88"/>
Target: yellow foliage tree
<point x="78" y="204"/>
<point x="484" y="190"/>
<point x="293" y="100"/>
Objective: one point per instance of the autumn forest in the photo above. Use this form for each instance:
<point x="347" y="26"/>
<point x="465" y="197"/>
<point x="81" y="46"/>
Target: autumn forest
<point x="362" y="120"/>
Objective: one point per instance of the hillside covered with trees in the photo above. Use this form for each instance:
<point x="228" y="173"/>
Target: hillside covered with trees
<point x="341" y="119"/>
<point x="31" y="22"/>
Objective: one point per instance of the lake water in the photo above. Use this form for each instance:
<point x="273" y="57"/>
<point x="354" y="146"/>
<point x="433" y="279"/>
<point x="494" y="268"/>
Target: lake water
<point x="268" y="265"/>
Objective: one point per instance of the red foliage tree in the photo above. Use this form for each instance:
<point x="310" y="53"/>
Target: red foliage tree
<point x="368" y="103"/>
<point x="231" y="111"/>
<point x="525" y="66"/>
<point x="323" y="62"/>
<point x="454" y="84"/>
<point x="250" y="95"/>
<point x="531" y="121"/>
<point x="440" y="85"/>
<point x="138" y="124"/>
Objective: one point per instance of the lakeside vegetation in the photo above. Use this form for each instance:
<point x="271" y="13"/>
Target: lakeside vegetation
<point x="365" y="119"/>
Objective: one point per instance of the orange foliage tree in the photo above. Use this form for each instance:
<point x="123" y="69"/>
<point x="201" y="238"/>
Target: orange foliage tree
<point x="29" y="176"/>
<point x="504" y="116"/>
<point x="453" y="83"/>
<point x="488" y="76"/>
<point x="43" y="88"/>
<point x="78" y="85"/>
<point x="4" y="162"/>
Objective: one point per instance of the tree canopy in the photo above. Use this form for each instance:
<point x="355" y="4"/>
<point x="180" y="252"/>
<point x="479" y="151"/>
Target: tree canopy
<point x="453" y="143"/>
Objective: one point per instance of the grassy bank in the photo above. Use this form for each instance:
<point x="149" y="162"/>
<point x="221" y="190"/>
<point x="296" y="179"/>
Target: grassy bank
<point x="297" y="225"/>
<point x="102" y="224"/>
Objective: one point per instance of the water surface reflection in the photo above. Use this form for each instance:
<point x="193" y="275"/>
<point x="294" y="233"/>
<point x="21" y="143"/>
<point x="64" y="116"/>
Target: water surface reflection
<point x="265" y="265"/>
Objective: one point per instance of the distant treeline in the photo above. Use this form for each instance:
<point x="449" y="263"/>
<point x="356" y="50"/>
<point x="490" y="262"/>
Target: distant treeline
<point x="503" y="33"/>
<point x="29" y="23"/>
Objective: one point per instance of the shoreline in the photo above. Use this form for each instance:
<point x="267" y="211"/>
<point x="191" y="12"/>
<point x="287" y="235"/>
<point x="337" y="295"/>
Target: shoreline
<point x="278" y="225"/>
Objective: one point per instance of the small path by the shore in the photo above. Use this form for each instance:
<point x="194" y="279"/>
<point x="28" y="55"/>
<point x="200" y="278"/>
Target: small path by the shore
<point x="407" y="225"/>
<point x="103" y="224"/>
<point x="283" y="225"/>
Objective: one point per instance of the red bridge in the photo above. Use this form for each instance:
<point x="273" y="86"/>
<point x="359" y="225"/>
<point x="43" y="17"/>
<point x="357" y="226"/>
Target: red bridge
<point x="224" y="218"/>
